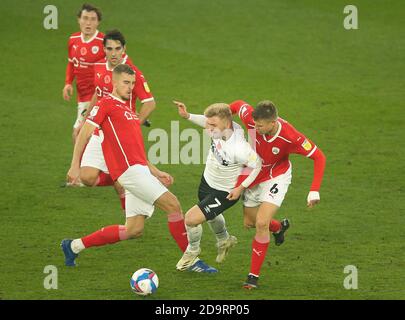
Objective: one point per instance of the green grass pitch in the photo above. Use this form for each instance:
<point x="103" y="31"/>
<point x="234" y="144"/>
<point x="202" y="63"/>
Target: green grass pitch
<point x="345" y="89"/>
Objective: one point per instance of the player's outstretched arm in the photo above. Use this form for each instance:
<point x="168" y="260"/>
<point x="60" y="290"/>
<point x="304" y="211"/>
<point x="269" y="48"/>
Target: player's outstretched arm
<point x="81" y="141"/>
<point x="197" y="119"/>
<point x="182" y="109"/>
<point x="319" y="168"/>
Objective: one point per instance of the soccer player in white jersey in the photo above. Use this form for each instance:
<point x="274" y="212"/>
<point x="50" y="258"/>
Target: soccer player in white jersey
<point x="230" y="154"/>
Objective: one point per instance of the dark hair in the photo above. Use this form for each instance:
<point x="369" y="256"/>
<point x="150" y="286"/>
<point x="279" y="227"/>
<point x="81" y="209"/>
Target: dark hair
<point x="265" y="110"/>
<point x="123" y="68"/>
<point x="88" y="7"/>
<point x="114" y="35"/>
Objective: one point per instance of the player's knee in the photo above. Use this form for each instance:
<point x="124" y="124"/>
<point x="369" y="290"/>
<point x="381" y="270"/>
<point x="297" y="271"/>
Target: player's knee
<point x="262" y="225"/>
<point x="172" y="204"/>
<point x="248" y="223"/>
<point x="190" y="220"/>
<point x="88" y="178"/>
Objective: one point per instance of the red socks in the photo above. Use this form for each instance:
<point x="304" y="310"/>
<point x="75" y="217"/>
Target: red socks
<point x="104" y="180"/>
<point x="177" y="229"/>
<point x="275" y="226"/>
<point x="259" y="250"/>
<point x="106" y="235"/>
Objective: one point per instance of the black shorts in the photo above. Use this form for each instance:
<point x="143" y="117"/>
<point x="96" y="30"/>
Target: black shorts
<point x="212" y="202"/>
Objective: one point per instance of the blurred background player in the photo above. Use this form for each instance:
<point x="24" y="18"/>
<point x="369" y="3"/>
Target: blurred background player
<point x="84" y="49"/>
<point x="93" y="171"/>
<point x="275" y="139"/>
<point x="229" y="155"/>
<point x="125" y="156"/>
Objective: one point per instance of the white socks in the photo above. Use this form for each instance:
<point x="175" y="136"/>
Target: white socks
<point x="217" y="225"/>
<point x="194" y="235"/>
<point x="77" y="245"/>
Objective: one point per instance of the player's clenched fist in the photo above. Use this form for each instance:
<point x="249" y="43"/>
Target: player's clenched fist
<point x="313" y="199"/>
<point x="165" y="178"/>
<point x="182" y="109"/>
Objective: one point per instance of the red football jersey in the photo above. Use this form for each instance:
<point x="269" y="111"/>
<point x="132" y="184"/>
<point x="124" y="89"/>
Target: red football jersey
<point x="82" y="55"/>
<point x="123" y="142"/>
<point x="104" y="86"/>
<point x="275" y="150"/>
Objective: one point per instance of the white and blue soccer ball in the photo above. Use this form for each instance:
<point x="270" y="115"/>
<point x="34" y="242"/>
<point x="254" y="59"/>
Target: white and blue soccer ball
<point x="144" y="282"/>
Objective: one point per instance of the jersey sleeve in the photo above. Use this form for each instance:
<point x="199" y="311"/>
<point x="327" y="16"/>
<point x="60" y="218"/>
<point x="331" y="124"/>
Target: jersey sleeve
<point x="244" y="111"/>
<point x="69" y="77"/>
<point x="97" y="115"/>
<point x="252" y="162"/>
<point x="304" y="146"/>
<point x="141" y="88"/>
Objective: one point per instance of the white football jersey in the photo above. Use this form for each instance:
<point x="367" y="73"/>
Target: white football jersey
<point x="227" y="159"/>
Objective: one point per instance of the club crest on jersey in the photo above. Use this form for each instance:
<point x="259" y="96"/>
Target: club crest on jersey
<point x="307" y="145"/>
<point x="145" y="85"/>
<point x="107" y="79"/>
<point x="83" y="51"/>
<point x="275" y="150"/>
<point x="94" y="49"/>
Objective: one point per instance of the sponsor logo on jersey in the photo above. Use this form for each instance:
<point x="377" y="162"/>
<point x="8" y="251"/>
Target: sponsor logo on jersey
<point x="218" y="155"/>
<point x="98" y="75"/>
<point x="275" y="150"/>
<point x="95" y="49"/>
<point x="83" y="51"/>
<point x="307" y="145"/>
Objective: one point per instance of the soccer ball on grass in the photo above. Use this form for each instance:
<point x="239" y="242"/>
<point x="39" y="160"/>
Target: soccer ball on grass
<point x="144" y="282"/>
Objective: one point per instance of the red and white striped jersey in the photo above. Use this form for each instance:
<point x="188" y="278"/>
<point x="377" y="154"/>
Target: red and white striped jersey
<point x="122" y="142"/>
<point x="81" y="56"/>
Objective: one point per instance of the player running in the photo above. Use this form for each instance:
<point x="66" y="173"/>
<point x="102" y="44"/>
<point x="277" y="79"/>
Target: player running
<point x="93" y="171"/>
<point x="126" y="161"/>
<point x="229" y="155"/>
<point x="275" y="139"/>
<point x="84" y="49"/>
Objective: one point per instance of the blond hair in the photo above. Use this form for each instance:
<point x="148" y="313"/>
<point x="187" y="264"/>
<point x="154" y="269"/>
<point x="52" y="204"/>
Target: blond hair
<point x="220" y="110"/>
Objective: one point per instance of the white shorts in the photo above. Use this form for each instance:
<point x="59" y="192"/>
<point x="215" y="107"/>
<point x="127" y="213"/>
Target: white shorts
<point x="142" y="189"/>
<point x="93" y="154"/>
<point x="272" y="191"/>
<point x="81" y="109"/>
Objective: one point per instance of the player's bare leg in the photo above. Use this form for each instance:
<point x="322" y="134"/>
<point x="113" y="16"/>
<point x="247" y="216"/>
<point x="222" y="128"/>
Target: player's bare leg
<point x="89" y="175"/>
<point x="265" y="214"/>
<point x="277" y="228"/>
